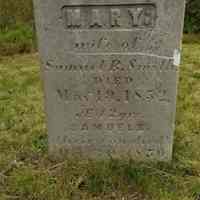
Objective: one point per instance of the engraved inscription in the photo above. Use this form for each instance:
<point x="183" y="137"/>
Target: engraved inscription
<point x="111" y="126"/>
<point x="109" y="119"/>
<point x="109" y="113"/>
<point x="109" y="95"/>
<point x="73" y="17"/>
<point x="114" y="65"/>
<point x="115" y="17"/>
<point x="109" y="16"/>
<point x="96" y="19"/>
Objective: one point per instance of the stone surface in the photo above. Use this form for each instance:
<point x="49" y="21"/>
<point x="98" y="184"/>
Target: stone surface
<point x="110" y="71"/>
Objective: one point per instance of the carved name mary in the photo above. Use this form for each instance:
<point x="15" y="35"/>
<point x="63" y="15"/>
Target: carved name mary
<point x="110" y="72"/>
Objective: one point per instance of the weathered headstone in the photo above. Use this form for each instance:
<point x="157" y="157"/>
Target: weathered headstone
<point x="110" y="71"/>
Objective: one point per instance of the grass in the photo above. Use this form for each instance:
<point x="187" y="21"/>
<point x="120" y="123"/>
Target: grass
<point x="17" y="39"/>
<point x="27" y="173"/>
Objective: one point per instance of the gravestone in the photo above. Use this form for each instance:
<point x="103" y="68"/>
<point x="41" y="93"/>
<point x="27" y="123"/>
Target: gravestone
<point x="110" y="71"/>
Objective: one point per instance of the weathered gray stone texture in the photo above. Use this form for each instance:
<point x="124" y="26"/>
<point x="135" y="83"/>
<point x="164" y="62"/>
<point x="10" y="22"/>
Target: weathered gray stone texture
<point x="110" y="71"/>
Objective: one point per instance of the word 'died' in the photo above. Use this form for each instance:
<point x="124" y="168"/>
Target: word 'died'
<point x="107" y="17"/>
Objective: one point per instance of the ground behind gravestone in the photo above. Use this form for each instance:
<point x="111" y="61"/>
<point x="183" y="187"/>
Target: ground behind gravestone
<point x="26" y="172"/>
